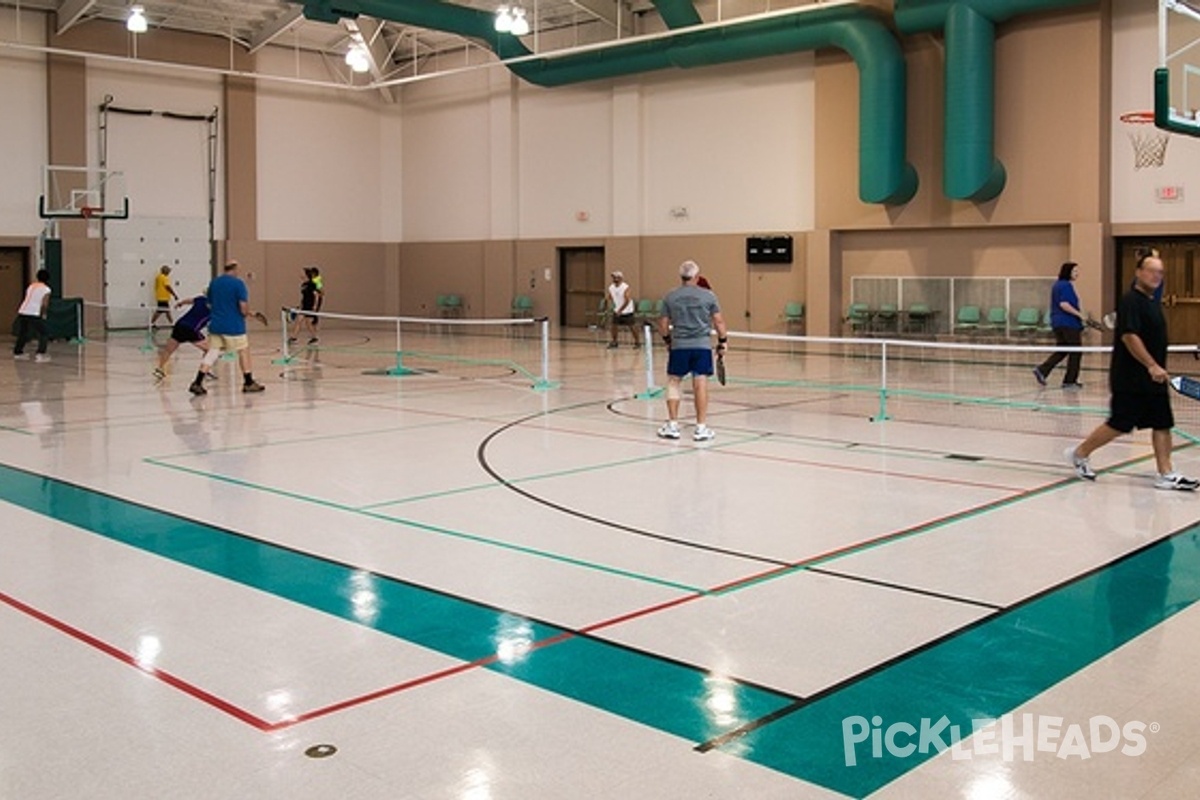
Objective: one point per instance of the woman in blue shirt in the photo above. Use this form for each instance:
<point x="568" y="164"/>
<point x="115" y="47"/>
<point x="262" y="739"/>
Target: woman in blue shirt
<point x="1066" y="320"/>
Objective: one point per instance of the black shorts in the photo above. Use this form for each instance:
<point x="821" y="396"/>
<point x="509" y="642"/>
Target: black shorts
<point x="623" y="319"/>
<point x="185" y="335"/>
<point x="1129" y="410"/>
<point x="164" y="305"/>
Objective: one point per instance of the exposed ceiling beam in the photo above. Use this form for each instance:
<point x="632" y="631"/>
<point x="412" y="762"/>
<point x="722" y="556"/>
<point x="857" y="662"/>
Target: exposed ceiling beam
<point x="606" y="10"/>
<point x="370" y="31"/>
<point x="271" y="30"/>
<point x="69" y="12"/>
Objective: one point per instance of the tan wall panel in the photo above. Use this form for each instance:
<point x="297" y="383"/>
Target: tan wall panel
<point x="355" y="276"/>
<point x="429" y="269"/>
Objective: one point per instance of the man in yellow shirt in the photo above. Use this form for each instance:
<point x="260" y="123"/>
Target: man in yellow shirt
<point x="164" y="293"/>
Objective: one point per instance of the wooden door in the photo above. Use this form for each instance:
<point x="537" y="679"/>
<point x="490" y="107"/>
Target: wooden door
<point x="583" y="284"/>
<point x="13" y="266"/>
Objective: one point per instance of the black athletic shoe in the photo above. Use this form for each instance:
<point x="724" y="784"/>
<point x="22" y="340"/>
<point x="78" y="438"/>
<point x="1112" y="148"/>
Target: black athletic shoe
<point x="197" y="388"/>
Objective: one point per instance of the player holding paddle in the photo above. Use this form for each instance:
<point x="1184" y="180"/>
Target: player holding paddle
<point x="230" y="301"/>
<point x="689" y="315"/>
<point x="1138" y="379"/>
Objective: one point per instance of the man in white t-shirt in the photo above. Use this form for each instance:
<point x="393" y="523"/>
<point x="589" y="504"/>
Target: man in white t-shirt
<point x="620" y="300"/>
<point x="31" y="317"/>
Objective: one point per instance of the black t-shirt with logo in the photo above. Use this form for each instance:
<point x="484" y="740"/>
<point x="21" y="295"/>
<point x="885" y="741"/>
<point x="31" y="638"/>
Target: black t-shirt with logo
<point x="1143" y="316"/>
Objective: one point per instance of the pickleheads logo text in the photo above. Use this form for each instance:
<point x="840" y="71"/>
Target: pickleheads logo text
<point x="1010" y="737"/>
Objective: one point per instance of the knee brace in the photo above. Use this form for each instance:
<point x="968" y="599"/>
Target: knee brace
<point x="673" y="390"/>
<point x="211" y="357"/>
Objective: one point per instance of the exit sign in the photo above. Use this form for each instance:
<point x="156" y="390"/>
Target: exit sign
<point x="1168" y="194"/>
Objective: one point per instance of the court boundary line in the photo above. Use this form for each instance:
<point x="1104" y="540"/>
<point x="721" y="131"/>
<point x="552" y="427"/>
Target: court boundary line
<point x="902" y="588"/>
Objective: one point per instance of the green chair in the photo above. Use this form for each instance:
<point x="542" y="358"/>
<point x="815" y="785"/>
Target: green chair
<point x="997" y="321"/>
<point x="858" y="318"/>
<point x="1028" y="320"/>
<point x="887" y="318"/>
<point x="967" y="321"/>
<point x="793" y="317"/>
<point x="451" y="305"/>
<point x="522" y="306"/>
<point x="919" y="318"/>
<point x="645" y="311"/>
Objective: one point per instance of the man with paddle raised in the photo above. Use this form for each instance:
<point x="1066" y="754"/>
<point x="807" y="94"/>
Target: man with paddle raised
<point x="689" y="316"/>
<point x="1138" y="380"/>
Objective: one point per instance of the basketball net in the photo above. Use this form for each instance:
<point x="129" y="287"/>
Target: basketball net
<point x="1149" y="143"/>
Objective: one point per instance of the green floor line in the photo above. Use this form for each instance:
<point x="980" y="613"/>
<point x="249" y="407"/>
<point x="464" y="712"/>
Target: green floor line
<point x="529" y="551"/>
<point x="647" y="689"/>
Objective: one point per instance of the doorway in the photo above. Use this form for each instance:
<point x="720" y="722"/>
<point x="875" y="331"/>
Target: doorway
<point x="1181" y="287"/>
<point x="582" y="284"/>
<point x="14" y="272"/>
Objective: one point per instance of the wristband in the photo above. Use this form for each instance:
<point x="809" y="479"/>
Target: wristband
<point x="722" y="340"/>
<point x="667" y="339"/>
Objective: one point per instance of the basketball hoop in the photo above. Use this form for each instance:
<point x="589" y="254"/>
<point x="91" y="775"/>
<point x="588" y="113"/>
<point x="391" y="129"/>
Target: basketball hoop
<point x="87" y="212"/>
<point x="1149" y="143"/>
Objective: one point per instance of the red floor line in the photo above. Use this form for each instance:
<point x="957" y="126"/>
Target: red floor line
<point x="161" y="675"/>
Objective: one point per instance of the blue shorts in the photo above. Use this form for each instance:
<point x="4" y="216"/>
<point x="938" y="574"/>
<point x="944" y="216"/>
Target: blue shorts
<point x="698" y="361"/>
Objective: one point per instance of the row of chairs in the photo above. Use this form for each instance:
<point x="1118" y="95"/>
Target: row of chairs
<point x="1029" y="321"/>
<point x="970" y="320"/>
<point x="888" y="318"/>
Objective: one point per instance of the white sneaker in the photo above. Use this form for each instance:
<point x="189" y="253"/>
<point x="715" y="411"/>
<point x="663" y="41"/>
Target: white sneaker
<point x="41" y="357"/>
<point x="1173" y="480"/>
<point x="20" y="356"/>
<point x="670" y="430"/>
<point x="703" y="433"/>
<point x="1082" y="468"/>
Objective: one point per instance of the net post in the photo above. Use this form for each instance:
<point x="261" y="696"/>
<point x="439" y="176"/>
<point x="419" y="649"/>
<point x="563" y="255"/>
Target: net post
<point x="543" y="383"/>
<point x="79" y="337"/>
<point x="399" y="370"/>
<point x="652" y="391"/>
<point x="148" y="344"/>
<point x="882" y="416"/>
<point x="285" y="355"/>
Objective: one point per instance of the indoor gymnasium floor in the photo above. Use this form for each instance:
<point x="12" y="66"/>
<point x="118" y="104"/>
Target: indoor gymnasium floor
<point x="452" y="585"/>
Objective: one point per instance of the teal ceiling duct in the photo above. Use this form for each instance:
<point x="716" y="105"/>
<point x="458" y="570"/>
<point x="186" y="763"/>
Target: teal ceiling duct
<point x="885" y="176"/>
<point x="971" y="169"/>
<point x="677" y="13"/>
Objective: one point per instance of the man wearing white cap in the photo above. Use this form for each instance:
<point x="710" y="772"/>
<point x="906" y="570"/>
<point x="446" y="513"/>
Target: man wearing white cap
<point x="620" y="298"/>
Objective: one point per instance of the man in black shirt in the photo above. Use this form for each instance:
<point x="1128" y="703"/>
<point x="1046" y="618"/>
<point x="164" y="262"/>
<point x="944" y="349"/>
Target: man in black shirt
<point x="1138" y="380"/>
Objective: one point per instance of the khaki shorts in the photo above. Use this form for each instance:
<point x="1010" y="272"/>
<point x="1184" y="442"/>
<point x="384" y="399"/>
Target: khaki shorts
<point x="227" y="343"/>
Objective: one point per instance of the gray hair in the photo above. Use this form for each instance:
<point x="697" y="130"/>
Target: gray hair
<point x="689" y="270"/>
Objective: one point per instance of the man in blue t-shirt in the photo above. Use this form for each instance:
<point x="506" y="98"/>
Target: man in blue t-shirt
<point x="230" y="305"/>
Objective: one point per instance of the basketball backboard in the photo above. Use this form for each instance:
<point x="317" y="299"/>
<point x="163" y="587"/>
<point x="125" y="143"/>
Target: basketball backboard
<point x="1177" y="79"/>
<point x="82" y="193"/>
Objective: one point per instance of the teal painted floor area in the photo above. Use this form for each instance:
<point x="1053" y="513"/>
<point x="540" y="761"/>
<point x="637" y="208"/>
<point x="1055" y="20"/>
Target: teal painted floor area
<point x="984" y="671"/>
<point x="668" y="696"/>
<point x="980" y="672"/>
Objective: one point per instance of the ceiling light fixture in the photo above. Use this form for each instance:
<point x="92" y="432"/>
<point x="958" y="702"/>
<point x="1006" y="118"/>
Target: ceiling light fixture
<point x="504" y="20"/>
<point x="357" y="58"/>
<point x="520" y="25"/>
<point x="136" y="23"/>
